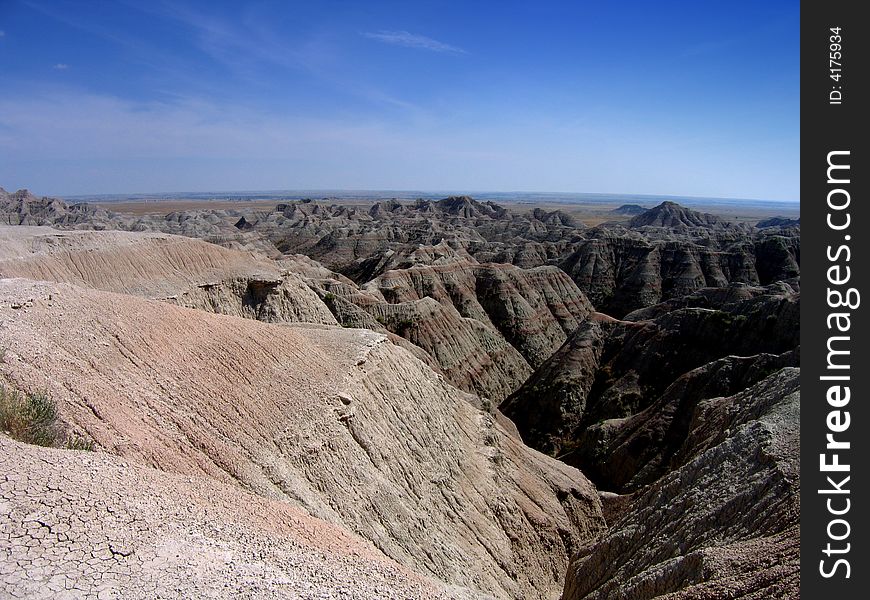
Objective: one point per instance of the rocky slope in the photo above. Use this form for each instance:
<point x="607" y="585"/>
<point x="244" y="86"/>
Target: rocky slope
<point x="484" y="326"/>
<point x="725" y="523"/>
<point x="625" y="454"/>
<point x="338" y="421"/>
<point x="778" y="222"/>
<point x="471" y="355"/>
<point x="180" y="270"/>
<point x="668" y="250"/>
<point x="90" y="525"/>
<point x="550" y="407"/>
<point x="487" y="326"/>
<point x="621" y="271"/>
<point x="533" y="309"/>
<point x="673" y="216"/>
<point x="676" y="397"/>
<point x="612" y="369"/>
<point x="629" y="209"/>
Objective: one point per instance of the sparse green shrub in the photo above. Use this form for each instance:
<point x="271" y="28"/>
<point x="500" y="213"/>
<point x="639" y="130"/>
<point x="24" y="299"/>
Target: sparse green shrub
<point x="11" y="412"/>
<point x="32" y="418"/>
<point x="75" y="442"/>
<point x="405" y="324"/>
<point x="728" y="319"/>
<point x="40" y="419"/>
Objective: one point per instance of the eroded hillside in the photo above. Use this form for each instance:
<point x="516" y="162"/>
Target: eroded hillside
<point x="339" y="421"/>
<point x="79" y="525"/>
<point x="724" y="522"/>
<point x="665" y="252"/>
<point x="348" y="362"/>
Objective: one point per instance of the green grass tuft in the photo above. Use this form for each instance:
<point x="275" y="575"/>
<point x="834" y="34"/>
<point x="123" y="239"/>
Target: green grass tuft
<point x="33" y="418"/>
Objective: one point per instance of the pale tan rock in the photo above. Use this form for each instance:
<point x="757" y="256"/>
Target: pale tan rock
<point x="178" y="269"/>
<point x="154" y="534"/>
<point x="409" y="464"/>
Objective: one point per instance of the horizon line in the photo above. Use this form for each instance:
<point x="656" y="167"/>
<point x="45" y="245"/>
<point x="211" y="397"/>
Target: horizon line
<point x="378" y="193"/>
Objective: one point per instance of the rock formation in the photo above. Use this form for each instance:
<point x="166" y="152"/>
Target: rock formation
<point x="341" y="371"/>
<point x="181" y="270"/>
<point x="725" y="523"/>
<point x="778" y="222"/>
<point x="668" y="251"/>
<point x="629" y="209"/>
<point x="612" y="369"/>
<point x="350" y="427"/>
<point x="23" y="208"/>
<point x="80" y="525"/>
<point x="673" y="216"/>
<point x="490" y="326"/>
<point x="621" y="272"/>
<point x="461" y="312"/>
<point x="625" y="454"/>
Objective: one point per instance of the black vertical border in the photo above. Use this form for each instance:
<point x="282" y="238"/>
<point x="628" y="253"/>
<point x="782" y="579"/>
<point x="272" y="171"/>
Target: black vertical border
<point x="827" y="127"/>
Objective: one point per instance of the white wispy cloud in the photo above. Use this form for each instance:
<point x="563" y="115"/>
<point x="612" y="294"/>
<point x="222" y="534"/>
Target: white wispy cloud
<point x="57" y="123"/>
<point x="228" y="43"/>
<point x="92" y="142"/>
<point x="60" y="67"/>
<point x="412" y="40"/>
<point x="48" y="122"/>
<point x="2" y="33"/>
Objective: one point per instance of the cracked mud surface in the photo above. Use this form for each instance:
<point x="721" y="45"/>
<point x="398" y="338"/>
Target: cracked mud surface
<point x="89" y="525"/>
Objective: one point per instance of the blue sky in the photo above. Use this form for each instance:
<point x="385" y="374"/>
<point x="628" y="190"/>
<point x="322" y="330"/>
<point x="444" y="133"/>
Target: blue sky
<point x="683" y="98"/>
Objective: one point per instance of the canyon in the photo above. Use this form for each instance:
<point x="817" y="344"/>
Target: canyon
<point x="410" y="399"/>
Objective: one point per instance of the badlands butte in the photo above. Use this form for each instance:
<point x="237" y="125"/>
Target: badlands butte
<point x="416" y="399"/>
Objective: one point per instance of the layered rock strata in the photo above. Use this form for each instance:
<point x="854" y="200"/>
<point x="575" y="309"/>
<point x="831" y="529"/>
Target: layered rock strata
<point x="338" y="421"/>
